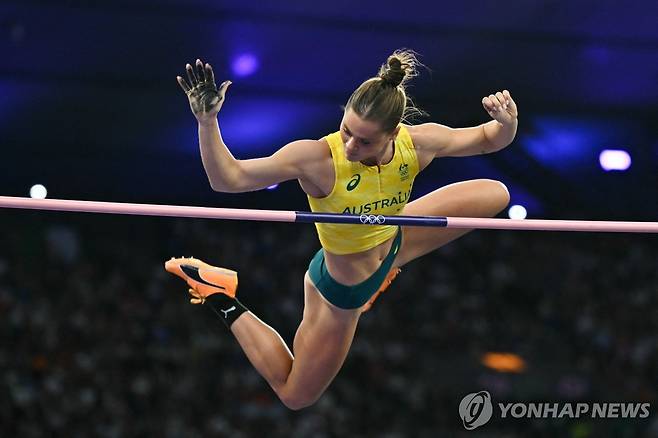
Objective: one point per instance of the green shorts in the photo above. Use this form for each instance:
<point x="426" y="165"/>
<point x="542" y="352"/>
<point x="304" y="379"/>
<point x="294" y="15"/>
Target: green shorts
<point x="351" y="297"/>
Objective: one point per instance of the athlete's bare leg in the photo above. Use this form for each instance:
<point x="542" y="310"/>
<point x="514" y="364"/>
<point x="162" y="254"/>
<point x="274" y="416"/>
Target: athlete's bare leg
<point x="326" y="332"/>
<point x="321" y="344"/>
<point x="474" y="198"/>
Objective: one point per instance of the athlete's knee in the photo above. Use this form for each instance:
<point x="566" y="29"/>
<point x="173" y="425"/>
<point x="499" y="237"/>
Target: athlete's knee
<point x="503" y="194"/>
<point x="297" y="401"/>
<point x="497" y="193"/>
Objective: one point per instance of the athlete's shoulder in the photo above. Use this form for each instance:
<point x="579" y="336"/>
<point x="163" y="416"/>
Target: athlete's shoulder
<point x="408" y="132"/>
<point x="319" y="149"/>
<point x="311" y="156"/>
<point x="308" y="149"/>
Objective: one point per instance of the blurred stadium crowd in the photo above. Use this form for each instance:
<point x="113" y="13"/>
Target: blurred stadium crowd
<point x="98" y="340"/>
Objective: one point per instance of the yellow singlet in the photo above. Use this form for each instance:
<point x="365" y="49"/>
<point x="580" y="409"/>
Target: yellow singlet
<point x="361" y="189"/>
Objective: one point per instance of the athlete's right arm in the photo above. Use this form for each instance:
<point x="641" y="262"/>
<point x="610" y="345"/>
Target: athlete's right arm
<point x="225" y="173"/>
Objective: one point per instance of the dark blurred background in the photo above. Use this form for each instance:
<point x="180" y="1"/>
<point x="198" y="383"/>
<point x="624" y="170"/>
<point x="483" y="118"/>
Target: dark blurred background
<point x="96" y="341"/>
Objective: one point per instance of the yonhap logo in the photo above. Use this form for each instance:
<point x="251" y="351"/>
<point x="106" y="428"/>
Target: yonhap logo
<point x="475" y="409"/>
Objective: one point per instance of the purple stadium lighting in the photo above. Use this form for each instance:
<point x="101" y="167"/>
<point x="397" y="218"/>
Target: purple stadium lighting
<point x="614" y="159"/>
<point x="272" y="187"/>
<point x="244" y="64"/>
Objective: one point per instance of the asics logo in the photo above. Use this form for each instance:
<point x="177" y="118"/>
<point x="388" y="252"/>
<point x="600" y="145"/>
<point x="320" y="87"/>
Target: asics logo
<point x="226" y="312"/>
<point x="356" y="179"/>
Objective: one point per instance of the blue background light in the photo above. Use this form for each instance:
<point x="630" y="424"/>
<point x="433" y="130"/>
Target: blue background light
<point x="107" y="104"/>
<point x="244" y="64"/>
<point x="567" y="144"/>
<point x="614" y="159"/>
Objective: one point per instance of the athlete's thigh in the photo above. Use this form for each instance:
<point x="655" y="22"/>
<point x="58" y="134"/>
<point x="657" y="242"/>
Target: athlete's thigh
<point x="321" y="343"/>
<point x="474" y="198"/>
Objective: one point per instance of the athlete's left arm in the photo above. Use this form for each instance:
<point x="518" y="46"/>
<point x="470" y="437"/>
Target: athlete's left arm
<point x="442" y="141"/>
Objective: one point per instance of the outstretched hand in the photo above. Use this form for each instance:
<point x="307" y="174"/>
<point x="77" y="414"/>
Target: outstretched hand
<point x="501" y="107"/>
<point x="205" y="99"/>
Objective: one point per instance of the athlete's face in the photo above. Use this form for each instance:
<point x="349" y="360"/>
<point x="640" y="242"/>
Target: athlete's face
<point x="364" y="140"/>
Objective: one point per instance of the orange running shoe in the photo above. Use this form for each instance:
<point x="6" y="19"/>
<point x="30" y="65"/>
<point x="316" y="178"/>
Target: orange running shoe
<point x="385" y="284"/>
<point x="204" y="279"/>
